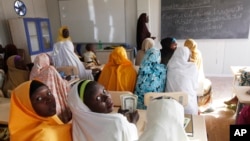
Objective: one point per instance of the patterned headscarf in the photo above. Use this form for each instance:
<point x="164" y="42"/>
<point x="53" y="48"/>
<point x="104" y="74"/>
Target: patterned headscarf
<point x="151" y="75"/>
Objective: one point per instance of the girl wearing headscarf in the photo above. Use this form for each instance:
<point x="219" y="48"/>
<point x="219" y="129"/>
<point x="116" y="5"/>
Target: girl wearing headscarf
<point x="205" y="87"/>
<point x="33" y="115"/>
<point x="91" y="106"/>
<point x="16" y="74"/>
<point x="169" y="45"/>
<point x="195" y="56"/>
<point x="64" y="55"/>
<point x="44" y="72"/>
<point x="182" y="76"/>
<point x="146" y="44"/>
<point x="9" y="50"/>
<point x="165" y="120"/>
<point x="151" y="76"/>
<point x="142" y="30"/>
<point x="119" y="73"/>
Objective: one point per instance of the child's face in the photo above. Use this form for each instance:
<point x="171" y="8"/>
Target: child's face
<point x="92" y="47"/>
<point x="43" y="102"/>
<point x="100" y="101"/>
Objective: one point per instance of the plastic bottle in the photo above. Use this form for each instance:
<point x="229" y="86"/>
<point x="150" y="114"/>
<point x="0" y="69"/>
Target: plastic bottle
<point x="100" y="44"/>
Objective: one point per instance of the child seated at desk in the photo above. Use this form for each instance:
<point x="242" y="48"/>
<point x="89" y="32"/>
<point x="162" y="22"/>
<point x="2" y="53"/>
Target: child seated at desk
<point x="90" y="58"/>
<point x="33" y="114"/>
<point x="165" y="120"/>
<point x="91" y="107"/>
<point x="46" y="73"/>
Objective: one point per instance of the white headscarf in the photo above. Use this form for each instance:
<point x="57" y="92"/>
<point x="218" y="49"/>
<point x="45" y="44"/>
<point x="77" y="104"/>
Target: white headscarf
<point x="183" y="76"/>
<point x="146" y="44"/>
<point x="91" y="126"/>
<point x="165" y="121"/>
<point x="64" y="55"/>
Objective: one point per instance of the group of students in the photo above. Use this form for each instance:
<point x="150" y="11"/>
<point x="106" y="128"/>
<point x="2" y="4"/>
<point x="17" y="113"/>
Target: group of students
<point x="170" y="69"/>
<point x="33" y="116"/>
<point x="45" y="107"/>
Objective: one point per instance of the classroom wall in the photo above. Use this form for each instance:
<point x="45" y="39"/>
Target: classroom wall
<point x="35" y="8"/>
<point x="218" y="55"/>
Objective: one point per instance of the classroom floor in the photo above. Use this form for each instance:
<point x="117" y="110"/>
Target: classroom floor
<point x="218" y="122"/>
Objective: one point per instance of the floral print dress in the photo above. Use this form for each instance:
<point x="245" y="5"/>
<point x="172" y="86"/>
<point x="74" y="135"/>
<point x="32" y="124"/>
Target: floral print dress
<point x="151" y="76"/>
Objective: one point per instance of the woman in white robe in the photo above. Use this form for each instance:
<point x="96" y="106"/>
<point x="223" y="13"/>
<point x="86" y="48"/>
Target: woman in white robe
<point x="95" y="122"/>
<point x="64" y="55"/>
<point x="182" y="75"/>
<point x="165" y="121"/>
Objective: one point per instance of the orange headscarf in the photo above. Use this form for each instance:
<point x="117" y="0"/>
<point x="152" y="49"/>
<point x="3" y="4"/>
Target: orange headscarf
<point x="119" y="73"/>
<point x="25" y="124"/>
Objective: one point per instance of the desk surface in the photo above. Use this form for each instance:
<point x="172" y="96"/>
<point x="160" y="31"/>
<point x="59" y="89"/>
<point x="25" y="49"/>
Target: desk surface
<point x="200" y="132"/>
<point x="241" y="94"/>
<point x="236" y="69"/>
<point x="5" y="110"/>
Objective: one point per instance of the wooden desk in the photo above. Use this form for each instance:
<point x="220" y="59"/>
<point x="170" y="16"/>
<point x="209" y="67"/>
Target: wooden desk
<point x="200" y="132"/>
<point x="236" y="70"/>
<point x="241" y="94"/>
<point x="5" y="110"/>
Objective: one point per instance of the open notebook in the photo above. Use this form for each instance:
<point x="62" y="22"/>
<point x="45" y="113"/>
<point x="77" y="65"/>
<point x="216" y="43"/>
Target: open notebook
<point x="188" y="124"/>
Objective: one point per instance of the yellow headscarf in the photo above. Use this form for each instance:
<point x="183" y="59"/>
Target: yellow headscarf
<point x="25" y="124"/>
<point x="119" y="73"/>
<point x="60" y="34"/>
<point x="192" y="45"/>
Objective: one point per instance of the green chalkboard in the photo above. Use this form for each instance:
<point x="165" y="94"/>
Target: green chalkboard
<point x="205" y="19"/>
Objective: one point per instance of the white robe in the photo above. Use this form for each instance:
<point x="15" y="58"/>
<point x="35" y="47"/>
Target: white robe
<point x="183" y="76"/>
<point x="64" y="55"/>
<point x="165" y="121"/>
<point x="91" y="126"/>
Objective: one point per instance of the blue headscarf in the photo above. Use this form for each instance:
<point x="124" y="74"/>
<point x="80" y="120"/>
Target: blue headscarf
<point x="151" y="75"/>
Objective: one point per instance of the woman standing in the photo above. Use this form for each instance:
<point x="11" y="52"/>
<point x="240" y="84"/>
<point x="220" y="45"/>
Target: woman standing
<point x="142" y="30"/>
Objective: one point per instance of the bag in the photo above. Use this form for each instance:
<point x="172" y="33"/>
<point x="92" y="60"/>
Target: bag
<point x="245" y="78"/>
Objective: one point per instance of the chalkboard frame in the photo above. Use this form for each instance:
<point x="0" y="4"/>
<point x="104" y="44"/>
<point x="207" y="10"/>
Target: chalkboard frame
<point x="205" y="19"/>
